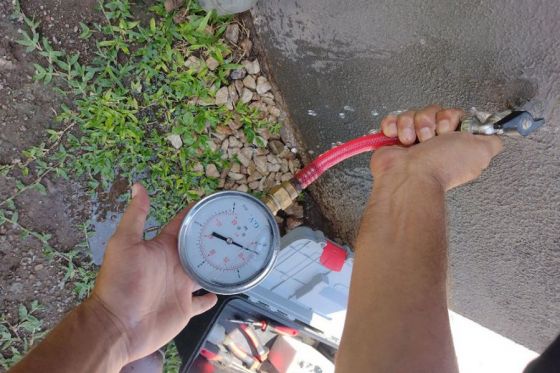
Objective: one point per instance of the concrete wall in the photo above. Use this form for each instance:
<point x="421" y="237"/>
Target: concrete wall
<point x="342" y="65"/>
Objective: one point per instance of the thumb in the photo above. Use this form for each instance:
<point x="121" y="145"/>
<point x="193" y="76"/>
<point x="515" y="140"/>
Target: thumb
<point x="203" y="303"/>
<point x="131" y="226"/>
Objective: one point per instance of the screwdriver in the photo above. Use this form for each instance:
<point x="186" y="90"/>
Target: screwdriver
<point x="264" y="325"/>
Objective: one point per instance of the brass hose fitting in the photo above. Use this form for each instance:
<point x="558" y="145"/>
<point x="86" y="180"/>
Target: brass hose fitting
<point x="281" y="196"/>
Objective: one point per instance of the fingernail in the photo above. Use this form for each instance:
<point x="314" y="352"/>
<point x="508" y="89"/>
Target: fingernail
<point x="408" y="134"/>
<point x="444" y="126"/>
<point x="425" y="134"/>
<point x="134" y="190"/>
<point x="392" y="129"/>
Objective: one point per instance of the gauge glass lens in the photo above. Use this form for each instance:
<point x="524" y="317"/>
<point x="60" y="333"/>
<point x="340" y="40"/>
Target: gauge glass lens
<point x="228" y="240"/>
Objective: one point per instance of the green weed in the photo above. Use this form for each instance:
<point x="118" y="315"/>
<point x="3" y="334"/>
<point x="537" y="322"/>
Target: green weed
<point x="145" y="83"/>
<point x="172" y="359"/>
<point x="17" y="338"/>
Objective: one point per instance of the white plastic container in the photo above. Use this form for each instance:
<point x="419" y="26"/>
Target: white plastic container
<point x="223" y="7"/>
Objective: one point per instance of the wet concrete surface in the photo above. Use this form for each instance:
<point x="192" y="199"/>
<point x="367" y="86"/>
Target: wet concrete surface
<point x="344" y="65"/>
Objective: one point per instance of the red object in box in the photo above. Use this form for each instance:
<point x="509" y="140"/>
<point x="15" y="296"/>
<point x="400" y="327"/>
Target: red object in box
<point x="333" y="256"/>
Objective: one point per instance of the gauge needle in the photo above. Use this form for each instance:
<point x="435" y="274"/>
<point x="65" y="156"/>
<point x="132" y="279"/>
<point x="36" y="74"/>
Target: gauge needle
<point x="229" y="241"/>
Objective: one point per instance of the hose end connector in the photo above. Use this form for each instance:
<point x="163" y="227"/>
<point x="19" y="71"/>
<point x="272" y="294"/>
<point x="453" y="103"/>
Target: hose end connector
<point x="281" y="196"/>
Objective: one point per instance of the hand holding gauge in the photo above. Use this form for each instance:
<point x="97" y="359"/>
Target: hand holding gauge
<point x="228" y="242"/>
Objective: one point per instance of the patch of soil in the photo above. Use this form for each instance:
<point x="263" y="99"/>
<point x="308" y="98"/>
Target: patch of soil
<point x="26" y="110"/>
<point x="60" y="23"/>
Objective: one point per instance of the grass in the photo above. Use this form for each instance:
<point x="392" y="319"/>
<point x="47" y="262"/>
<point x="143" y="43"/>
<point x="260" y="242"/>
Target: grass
<point x="18" y="337"/>
<point x="144" y="83"/>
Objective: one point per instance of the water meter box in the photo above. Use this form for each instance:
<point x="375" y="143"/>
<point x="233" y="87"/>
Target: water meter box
<point x="307" y="290"/>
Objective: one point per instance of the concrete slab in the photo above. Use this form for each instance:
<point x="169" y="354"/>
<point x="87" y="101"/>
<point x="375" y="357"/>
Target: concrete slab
<point x="342" y="65"/>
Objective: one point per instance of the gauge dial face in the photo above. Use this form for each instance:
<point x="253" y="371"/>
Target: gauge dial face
<point x="228" y="242"/>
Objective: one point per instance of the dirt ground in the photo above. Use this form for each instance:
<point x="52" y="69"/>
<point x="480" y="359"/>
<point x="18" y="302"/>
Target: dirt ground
<point x="26" y="110"/>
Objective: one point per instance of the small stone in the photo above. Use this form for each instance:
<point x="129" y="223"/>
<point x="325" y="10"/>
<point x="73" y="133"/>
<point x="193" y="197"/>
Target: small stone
<point x="260" y="163"/>
<point x="271" y="167"/>
<point x="286" y="177"/>
<point x="270" y="181"/>
<point x="243" y="159"/>
<point x="260" y="107"/>
<point x="222" y="96"/>
<point x="236" y="167"/>
<point x="254" y="185"/>
<point x="38" y="267"/>
<point x="193" y="63"/>
<point x="284" y="164"/>
<point x="175" y="141"/>
<point x="212" y="63"/>
<point x="246" y="45"/>
<point x="243" y="188"/>
<point x="246" y="96"/>
<point x="247" y="151"/>
<point x="221" y="183"/>
<point x="225" y="145"/>
<point x="212" y="170"/>
<point x="238" y="74"/>
<point x="232" y="33"/>
<point x="233" y="96"/>
<point x="276" y="146"/>
<point x="254" y="176"/>
<point x="264" y="133"/>
<point x="198" y="168"/>
<point x="295" y="210"/>
<point x="239" y="86"/>
<point x="292" y="222"/>
<point x="294" y="165"/>
<point x="272" y="159"/>
<point x="274" y="111"/>
<point x="234" y="143"/>
<point x="252" y="67"/>
<point x="224" y="130"/>
<point x="267" y="100"/>
<point x="263" y="85"/>
<point x="235" y="124"/>
<point x="249" y="82"/>
<point x="236" y="176"/>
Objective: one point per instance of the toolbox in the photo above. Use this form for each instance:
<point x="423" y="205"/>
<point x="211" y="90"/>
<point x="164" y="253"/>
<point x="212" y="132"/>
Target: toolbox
<point x="305" y="294"/>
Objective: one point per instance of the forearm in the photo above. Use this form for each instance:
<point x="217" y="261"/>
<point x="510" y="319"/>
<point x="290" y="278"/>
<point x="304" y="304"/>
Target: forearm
<point x="397" y="317"/>
<point x="87" y="340"/>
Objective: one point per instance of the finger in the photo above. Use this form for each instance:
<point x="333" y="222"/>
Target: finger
<point x="425" y="122"/>
<point x="132" y="223"/>
<point x="389" y="125"/>
<point x="448" y="120"/>
<point x="203" y="303"/>
<point x="405" y="127"/>
<point x="172" y="228"/>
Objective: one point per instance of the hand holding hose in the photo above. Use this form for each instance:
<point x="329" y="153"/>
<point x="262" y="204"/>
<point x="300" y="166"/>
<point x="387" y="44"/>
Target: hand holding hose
<point x="452" y="159"/>
<point x="422" y="124"/>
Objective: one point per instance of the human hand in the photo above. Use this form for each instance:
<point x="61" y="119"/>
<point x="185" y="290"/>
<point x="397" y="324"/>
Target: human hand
<point x="141" y="284"/>
<point x="451" y="159"/>
<point x="424" y="123"/>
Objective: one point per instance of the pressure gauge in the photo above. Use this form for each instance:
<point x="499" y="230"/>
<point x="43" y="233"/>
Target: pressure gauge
<point x="228" y="242"/>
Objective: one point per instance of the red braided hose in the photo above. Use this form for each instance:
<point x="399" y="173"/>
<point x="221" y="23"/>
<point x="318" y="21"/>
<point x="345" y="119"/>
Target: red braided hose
<point x="334" y="156"/>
